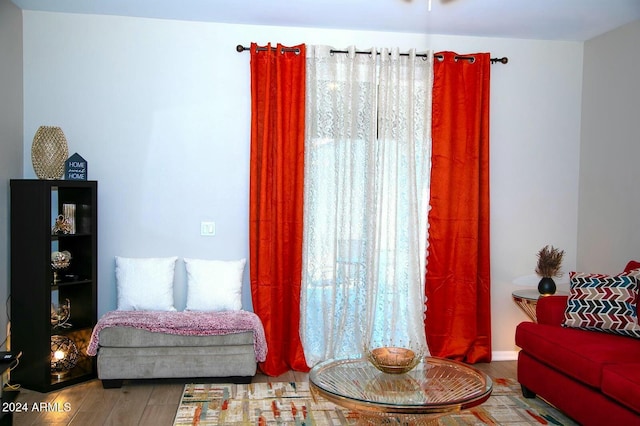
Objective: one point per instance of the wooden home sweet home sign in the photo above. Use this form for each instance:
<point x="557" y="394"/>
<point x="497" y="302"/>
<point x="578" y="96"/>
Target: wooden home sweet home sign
<point x="76" y="168"/>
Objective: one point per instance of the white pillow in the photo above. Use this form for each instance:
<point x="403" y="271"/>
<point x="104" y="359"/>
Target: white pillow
<point x="145" y="283"/>
<point x="214" y="285"/>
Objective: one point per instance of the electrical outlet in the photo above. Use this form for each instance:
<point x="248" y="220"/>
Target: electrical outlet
<point x="208" y="229"/>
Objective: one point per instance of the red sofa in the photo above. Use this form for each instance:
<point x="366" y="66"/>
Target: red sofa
<point x="592" y="376"/>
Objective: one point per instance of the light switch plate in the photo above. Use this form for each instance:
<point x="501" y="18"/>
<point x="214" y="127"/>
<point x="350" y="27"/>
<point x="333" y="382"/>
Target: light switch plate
<point x="208" y="229"/>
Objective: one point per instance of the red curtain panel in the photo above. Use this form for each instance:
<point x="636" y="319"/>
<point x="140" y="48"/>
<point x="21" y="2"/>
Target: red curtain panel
<point x="276" y="200"/>
<point x="458" y="317"/>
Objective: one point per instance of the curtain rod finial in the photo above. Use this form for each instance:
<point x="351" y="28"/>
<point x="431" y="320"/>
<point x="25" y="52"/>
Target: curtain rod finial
<point x="240" y="48"/>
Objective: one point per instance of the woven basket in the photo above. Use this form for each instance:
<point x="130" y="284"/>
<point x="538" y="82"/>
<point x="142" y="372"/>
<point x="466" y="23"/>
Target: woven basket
<point x="49" y="152"/>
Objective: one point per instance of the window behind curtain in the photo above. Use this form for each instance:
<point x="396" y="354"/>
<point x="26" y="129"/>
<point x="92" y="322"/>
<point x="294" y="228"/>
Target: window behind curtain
<point x="367" y="168"/>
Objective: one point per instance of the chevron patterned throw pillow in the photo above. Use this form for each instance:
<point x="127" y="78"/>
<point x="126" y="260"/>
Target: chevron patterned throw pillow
<point x="604" y="303"/>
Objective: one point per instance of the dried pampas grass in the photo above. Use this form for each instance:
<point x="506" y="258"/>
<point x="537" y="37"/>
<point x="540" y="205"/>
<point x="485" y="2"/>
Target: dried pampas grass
<point x="549" y="262"/>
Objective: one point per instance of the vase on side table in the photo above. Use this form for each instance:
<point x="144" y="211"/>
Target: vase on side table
<point x="546" y="286"/>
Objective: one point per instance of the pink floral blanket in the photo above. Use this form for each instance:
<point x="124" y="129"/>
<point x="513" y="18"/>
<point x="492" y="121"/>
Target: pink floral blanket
<point x="187" y="323"/>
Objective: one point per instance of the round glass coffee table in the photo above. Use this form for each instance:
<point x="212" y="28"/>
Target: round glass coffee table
<point x="435" y="387"/>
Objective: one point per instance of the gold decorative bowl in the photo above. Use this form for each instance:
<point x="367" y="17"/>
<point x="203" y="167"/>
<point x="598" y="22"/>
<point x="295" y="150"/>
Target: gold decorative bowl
<point x="393" y="360"/>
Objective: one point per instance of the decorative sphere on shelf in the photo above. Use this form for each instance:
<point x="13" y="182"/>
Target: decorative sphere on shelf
<point x="64" y="355"/>
<point x="60" y="259"/>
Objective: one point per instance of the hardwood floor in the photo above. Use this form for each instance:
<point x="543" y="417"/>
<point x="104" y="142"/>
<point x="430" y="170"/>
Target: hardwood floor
<point x="141" y="403"/>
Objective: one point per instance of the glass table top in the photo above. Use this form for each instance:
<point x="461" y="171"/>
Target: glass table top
<point x="435" y="385"/>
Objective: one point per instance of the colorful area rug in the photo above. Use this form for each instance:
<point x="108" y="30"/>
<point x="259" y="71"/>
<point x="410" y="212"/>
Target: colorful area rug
<point x="293" y="404"/>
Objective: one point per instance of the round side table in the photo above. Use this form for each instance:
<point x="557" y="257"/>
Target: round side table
<point x="527" y="299"/>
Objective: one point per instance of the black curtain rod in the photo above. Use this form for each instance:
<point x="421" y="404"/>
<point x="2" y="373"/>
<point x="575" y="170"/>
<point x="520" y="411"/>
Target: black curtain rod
<point x="240" y="48"/>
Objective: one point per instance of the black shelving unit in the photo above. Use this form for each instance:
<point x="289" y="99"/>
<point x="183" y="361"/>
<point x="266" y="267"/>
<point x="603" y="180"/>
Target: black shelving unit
<point x="37" y="292"/>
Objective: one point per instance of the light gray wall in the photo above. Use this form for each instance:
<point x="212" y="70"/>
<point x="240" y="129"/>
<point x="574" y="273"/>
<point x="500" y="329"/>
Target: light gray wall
<point x="609" y="215"/>
<point x="11" y="138"/>
<point x="161" y="111"/>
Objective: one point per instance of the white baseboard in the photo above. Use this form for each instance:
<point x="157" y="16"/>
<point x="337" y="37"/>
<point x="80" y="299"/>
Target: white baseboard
<point x="504" y="355"/>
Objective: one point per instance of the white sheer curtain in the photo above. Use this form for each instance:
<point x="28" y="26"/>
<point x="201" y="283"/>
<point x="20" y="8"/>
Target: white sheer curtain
<point x="367" y="169"/>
